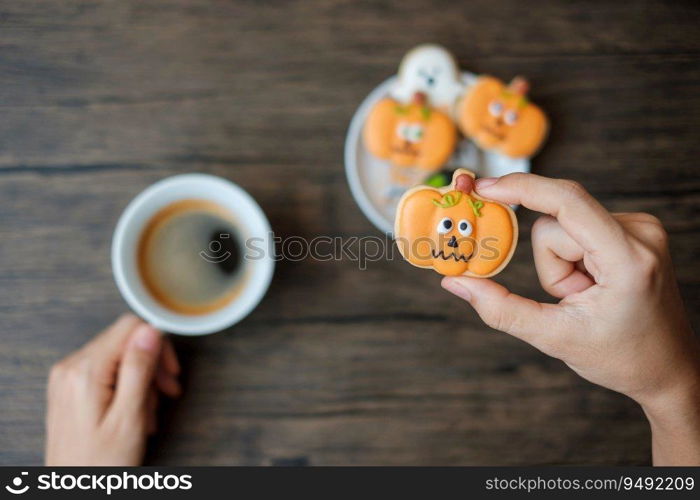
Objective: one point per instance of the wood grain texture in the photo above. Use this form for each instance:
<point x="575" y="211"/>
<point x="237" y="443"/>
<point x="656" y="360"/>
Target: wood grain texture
<point x="337" y="366"/>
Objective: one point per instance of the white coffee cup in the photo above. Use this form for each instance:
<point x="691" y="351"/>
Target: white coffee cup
<point x="252" y="226"/>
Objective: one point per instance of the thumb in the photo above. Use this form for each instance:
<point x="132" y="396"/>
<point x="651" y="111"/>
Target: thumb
<point x="137" y="370"/>
<point x="531" y="321"/>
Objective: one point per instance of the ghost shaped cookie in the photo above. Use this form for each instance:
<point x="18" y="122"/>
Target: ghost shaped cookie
<point x="431" y="70"/>
<point x="454" y="231"/>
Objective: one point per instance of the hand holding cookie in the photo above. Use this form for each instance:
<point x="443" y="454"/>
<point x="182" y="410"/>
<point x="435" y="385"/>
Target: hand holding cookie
<point x="620" y="321"/>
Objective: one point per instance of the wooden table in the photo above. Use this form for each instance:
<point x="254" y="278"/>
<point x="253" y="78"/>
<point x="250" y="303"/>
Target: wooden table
<point x="337" y="366"/>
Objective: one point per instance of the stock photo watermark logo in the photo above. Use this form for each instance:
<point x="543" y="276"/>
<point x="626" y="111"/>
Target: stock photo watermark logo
<point x="17" y="486"/>
<point x="106" y="483"/>
<point x="216" y="252"/>
<point x="361" y="250"/>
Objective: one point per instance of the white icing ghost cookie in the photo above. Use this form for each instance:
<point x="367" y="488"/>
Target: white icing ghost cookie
<point x="432" y="70"/>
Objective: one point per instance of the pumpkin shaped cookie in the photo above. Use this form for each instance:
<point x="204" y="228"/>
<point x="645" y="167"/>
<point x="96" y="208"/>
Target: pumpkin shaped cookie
<point x="410" y="135"/>
<point x="455" y="231"/>
<point x="501" y="118"/>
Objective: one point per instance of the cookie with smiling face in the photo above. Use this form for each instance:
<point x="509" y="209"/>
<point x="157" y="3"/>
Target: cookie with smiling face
<point x="410" y="135"/>
<point x="455" y="231"/>
<point x="501" y="118"/>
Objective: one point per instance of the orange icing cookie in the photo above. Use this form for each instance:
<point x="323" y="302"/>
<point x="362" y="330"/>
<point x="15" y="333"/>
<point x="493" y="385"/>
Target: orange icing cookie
<point x="410" y="135"/>
<point x="501" y="118"/>
<point x="455" y="231"/>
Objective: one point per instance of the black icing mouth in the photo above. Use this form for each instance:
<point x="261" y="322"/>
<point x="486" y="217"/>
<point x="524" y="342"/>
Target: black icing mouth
<point x="453" y="256"/>
<point x="498" y="135"/>
<point x="406" y="150"/>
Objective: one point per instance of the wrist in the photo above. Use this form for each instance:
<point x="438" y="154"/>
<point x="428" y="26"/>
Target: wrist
<point x="677" y="400"/>
<point x="674" y="418"/>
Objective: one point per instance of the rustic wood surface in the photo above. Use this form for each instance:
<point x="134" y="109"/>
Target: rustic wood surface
<point x="100" y="98"/>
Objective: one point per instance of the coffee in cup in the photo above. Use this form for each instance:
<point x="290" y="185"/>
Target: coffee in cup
<point x="189" y="257"/>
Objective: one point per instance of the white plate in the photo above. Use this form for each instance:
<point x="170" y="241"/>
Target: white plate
<point x="370" y="179"/>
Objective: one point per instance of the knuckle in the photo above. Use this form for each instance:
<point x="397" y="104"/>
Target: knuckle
<point x="518" y="177"/>
<point x="57" y="373"/>
<point x="645" y="266"/>
<point x="67" y="375"/>
<point x="656" y="232"/>
<point x="496" y="322"/>
<point x="541" y="226"/>
<point x="70" y="371"/>
<point x="660" y="238"/>
<point x="648" y="262"/>
<point x="499" y="320"/>
<point x="542" y="223"/>
<point x="82" y="367"/>
<point x="649" y="218"/>
<point x="573" y="189"/>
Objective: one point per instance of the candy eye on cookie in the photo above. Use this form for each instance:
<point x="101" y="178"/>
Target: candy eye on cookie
<point x="417" y="132"/>
<point x="403" y="131"/>
<point x="430" y="78"/>
<point x="465" y="227"/>
<point x="444" y="226"/>
<point x="410" y="132"/>
<point x="495" y="108"/>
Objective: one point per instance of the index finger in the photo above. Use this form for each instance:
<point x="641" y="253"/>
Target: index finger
<point x="106" y="349"/>
<point x="581" y="216"/>
<point x="112" y="339"/>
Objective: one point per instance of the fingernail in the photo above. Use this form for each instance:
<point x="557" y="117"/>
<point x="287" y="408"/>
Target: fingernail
<point x="486" y="182"/>
<point x="147" y="338"/>
<point x="454" y="286"/>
